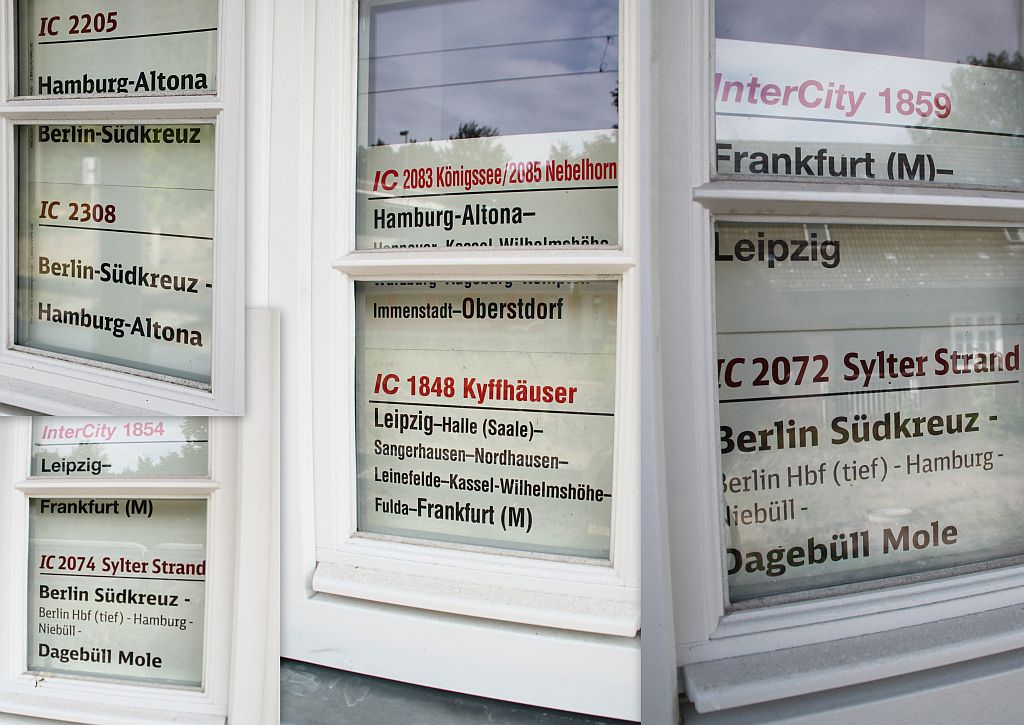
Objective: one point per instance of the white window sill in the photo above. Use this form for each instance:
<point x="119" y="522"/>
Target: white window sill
<point x="47" y="400"/>
<point x="601" y="608"/>
<point x="764" y="677"/>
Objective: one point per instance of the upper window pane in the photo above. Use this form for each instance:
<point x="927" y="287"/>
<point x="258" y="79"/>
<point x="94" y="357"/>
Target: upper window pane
<point x="141" y="47"/>
<point x="466" y="105"/>
<point x="871" y="91"/>
<point x="120" y="447"/>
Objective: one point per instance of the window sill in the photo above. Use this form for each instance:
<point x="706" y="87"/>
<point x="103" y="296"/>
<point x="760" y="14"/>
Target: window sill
<point x="597" y="607"/>
<point x="768" y="676"/>
<point x="725" y="197"/>
<point x="49" y="401"/>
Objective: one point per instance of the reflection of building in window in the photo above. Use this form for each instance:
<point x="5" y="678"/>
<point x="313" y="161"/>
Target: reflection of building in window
<point x="816" y="232"/>
<point x="976" y="332"/>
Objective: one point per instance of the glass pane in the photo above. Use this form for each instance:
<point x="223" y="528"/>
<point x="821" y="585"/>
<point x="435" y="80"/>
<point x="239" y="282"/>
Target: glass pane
<point x="908" y="92"/>
<point x="870" y="398"/>
<point x="115" y="447"/>
<point x="115" y="245"/>
<point x="142" y="47"/>
<point x="142" y="617"/>
<point x="466" y="105"/>
<point x="485" y="413"/>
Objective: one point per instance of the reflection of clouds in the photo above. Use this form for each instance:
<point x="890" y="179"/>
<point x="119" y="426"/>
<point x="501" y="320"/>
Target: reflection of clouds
<point x="574" y="102"/>
<point x="944" y="30"/>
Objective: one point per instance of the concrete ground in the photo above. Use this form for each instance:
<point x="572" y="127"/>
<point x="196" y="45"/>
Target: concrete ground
<point x="314" y="695"/>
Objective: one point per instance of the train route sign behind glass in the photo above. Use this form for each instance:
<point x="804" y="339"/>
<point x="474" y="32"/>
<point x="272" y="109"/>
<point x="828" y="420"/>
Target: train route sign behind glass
<point x="120" y="447"/>
<point x="104" y="49"/>
<point x="485" y="413"/>
<point x="818" y="113"/>
<point x="546" y="190"/>
<point x="117" y="589"/>
<point x="870" y="400"/>
<point x="115" y="245"/>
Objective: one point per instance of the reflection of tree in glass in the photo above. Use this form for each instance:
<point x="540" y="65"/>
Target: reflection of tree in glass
<point x="992" y="101"/>
<point x="605" y="147"/>
<point x="440" y="154"/>
<point x="81" y="452"/>
<point x="987" y="100"/>
<point x="472" y="129"/>
<point x="1002" y="59"/>
<point x="190" y="460"/>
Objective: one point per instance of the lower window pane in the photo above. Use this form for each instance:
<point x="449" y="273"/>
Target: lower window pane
<point x="870" y="398"/>
<point x="117" y="589"/>
<point x="485" y="413"/>
<point x="115" y="245"/>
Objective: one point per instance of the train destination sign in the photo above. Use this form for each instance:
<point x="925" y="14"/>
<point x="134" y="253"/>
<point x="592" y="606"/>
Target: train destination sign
<point x="870" y="397"/>
<point x="104" y="48"/>
<point x="813" y="113"/>
<point x="548" y="189"/>
<point x="117" y="589"/>
<point x="485" y="413"/>
<point x="115" y="245"/>
<point x="120" y="447"/>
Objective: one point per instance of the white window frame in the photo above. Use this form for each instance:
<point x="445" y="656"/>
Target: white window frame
<point x="241" y="630"/>
<point x="542" y="591"/>
<point x="61" y="385"/>
<point x="27" y="693"/>
<point x="785" y="647"/>
<point x="576" y="621"/>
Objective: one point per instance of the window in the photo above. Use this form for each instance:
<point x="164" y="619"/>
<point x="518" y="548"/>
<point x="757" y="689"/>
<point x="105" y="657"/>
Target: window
<point x="853" y="199"/>
<point x="124" y="263"/>
<point x="121" y="565"/>
<point x="482" y="317"/>
<point x="141" y="618"/>
<point x="512" y="445"/>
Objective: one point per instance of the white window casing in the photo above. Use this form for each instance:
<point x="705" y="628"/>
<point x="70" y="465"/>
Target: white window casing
<point x="62" y="385"/>
<point x="574" y="620"/>
<point x="240" y="650"/>
<point x="778" y="647"/>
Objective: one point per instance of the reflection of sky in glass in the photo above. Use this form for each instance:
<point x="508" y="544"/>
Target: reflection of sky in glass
<point x="946" y="30"/>
<point x="529" y="67"/>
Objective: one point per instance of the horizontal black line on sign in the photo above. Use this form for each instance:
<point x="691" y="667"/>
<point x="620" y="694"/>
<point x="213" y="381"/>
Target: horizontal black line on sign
<point x="872" y="123"/>
<point x="128" y="37"/>
<point x="487" y="407"/>
<point x="109" y="576"/>
<point x="492" y="191"/>
<point x="869" y="392"/>
<point x="125" y="231"/>
<point x="108" y="443"/>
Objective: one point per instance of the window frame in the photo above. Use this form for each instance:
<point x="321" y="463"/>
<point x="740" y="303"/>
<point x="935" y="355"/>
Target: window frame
<point x="818" y="642"/>
<point x="22" y="691"/>
<point x="64" y="385"/>
<point x="447" y="578"/>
